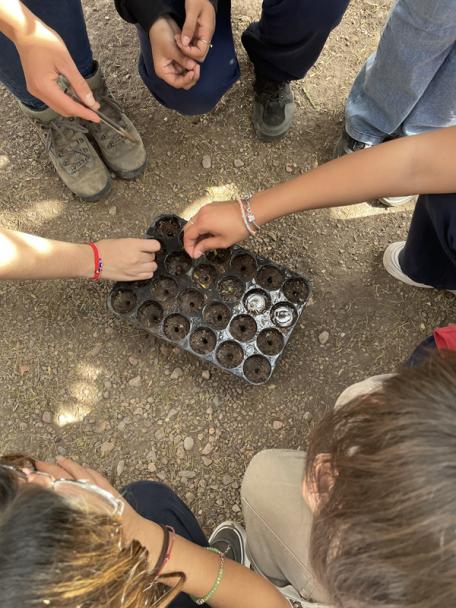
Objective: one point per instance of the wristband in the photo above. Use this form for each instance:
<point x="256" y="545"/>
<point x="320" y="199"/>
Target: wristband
<point x="241" y="206"/>
<point x="250" y="215"/>
<point x="203" y="600"/>
<point x="98" y="263"/>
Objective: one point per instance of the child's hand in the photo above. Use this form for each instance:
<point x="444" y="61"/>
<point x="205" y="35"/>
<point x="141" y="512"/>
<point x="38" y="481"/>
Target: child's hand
<point x="197" y="30"/>
<point x="127" y="259"/>
<point x="216" y="226"/>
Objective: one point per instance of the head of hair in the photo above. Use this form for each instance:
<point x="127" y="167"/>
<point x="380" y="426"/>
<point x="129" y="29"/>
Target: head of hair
<point x="57" y="555"/>
<point x="385" y="533"/>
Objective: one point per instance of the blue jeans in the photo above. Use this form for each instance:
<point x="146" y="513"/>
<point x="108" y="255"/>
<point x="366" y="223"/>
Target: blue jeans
<point x="67" y="19"/>
<point x="158" y="503"/>
<point x="409" y="85"/>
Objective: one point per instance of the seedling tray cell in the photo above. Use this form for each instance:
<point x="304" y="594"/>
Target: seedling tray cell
<point x="230" y="307"/>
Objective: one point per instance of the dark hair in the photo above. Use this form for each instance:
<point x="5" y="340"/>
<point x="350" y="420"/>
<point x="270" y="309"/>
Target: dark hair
<point x="55" y="554"/>
<point x="385" y="533"/>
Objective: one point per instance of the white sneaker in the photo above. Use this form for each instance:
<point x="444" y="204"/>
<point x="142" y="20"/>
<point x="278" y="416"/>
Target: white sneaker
<point x="391" y="264"/>
<point x="394" y="201"/>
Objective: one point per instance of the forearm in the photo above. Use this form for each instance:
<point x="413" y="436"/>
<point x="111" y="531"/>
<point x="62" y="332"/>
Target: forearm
<point x="410" y="165"/>
<point x="23" y="256"/>
<point x="17" y="22"/>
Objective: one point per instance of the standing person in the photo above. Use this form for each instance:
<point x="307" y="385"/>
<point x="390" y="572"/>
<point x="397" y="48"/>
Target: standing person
<point x="188" y="61"/>
<point x="40" y="41"/>
<point x="408" y="86"/>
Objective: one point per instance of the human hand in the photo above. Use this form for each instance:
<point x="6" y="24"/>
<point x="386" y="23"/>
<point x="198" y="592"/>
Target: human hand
<point x="44" y="58"/>
<point x="173" y="66"/>
<point x="199" y="26"/>
<point x="216" y="226"/>
<point x="128" y="259"/>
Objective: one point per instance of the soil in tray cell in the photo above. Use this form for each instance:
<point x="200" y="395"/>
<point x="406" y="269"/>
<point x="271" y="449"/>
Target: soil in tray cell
<point x="283" y="315"/>
<point x="257" y="301"/>
<point x="243" y="328"/>
<point x="167" y="227"/>
<point x="124" y="301"/>
<point x="218" y="256"/>
<point x="178" y="263"/>
<point x="230" y="354"/>
<point x="139" y="284"/>
<point x="270" y="341"/>
<point x="244" y="265"/>
<point x="164" y="289"/>
<point x="257" y="369"/>
<point x="217" y="315"/>
<point x="230" y="289"/>
<point x="161" y="253"/>
<point x="190" y="301"/>
<point x="176" y="327"/>
<point x="204" y="276"/>
<point x="150" y="314"/>
<point x="296" y="290"/>
<point x="203" y="341"/>
<point x="270" y="277"/>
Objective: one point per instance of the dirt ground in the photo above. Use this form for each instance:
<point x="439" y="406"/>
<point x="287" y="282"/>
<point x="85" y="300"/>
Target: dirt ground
<point x="77" y="380"/>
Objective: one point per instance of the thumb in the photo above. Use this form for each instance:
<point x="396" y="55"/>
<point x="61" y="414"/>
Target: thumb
<point x="209" y="244"/>
<point x="80" y="86"/>
<point x="188" y="30"/>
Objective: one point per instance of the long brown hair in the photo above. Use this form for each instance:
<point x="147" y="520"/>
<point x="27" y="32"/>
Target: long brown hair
<point x="385" y="533"/>
<point x="54" y="554"/>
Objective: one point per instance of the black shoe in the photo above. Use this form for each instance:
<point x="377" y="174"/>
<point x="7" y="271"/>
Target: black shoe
<point x="273" y="107"/>
<point x="229" y="538"/>
<point x="346" y="144"/>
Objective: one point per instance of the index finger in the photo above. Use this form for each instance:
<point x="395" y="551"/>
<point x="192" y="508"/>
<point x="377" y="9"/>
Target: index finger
<point x="64" y="105"/>
<point x="52" y="469"/>
<point x="196" y="51"/>
<point x="150" y="245"/>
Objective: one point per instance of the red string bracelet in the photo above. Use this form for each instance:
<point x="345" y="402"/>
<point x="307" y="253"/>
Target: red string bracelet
<point x="168" y="556"/>
<point x="98" y="263"/>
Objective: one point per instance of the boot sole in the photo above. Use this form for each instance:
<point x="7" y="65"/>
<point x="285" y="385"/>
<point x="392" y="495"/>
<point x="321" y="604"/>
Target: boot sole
<point x="127" y="174"/>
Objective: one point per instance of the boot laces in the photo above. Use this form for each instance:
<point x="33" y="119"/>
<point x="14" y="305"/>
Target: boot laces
<point x="60" y="138"/>
<point x="113" y="110"/>
<point x="271" y="88"/>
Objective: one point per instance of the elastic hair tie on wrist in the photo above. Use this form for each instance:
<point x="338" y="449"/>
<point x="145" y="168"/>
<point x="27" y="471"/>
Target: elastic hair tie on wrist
<point x="98" y="262"/>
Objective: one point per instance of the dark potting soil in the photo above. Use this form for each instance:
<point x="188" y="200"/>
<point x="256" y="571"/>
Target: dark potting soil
<point x="257" y="369"/>
<point x="281" y="312"/>
<point x="204" y="276"/>
<point x="244" y="265"/>
<point x="218" y="256"/>
<point x="124" y="301"/>
<point x="270" y="341"/>
<point x="296" y="290"/>
<point x="164" y="288"/>
<point x="257" y="301"/>
<point x="230" y="354"/>
<point x="243" y="328"/>
<point x="203" y="341"/>
<point x="190" y="301"/>
<point x="217" y="315"/>
<point x="270" y="277"/>
<point x="230" y="289"/>
<point x="150" y="314"/>
<point x="167" y="227"/>
<point x="178" y="263"/>
<point x="139" y="284"/>
<point x="176" y="327"/>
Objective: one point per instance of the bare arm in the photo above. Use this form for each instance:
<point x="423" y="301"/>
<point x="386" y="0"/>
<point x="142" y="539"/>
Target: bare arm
<point x="417" y="164"/>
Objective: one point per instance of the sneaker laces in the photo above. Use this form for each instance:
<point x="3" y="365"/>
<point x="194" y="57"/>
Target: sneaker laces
<point x="113" y="110"/>
<point x="59" y="134"/>
<point x="272" y="88"/>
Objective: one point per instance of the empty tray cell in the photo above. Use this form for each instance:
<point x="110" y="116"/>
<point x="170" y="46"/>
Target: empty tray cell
<point x="283" y="315"/>
<point x="218" y="256"/>
<point x="167" y="227"/>
<point x="296" y="290"/>
<point x="217" y="315"/>
<point x="257" y="301"/>
<point x="178" y="263"/>
<point x="270" y="341"/>
<point x="190" y="301"/>
<point x="203" y="341"/>
<point x="230" y="354"/>
<point x="270" y="277"/>
<point x="150" y="314"/>
<point x="204" y="276"/>
<point x="243" y="328"/>
<point x="230" y="289"/>
<point x="124" y="301"/>
<point x="176" y="327"/>
<point x="164" y="289"/>
<point x="244" y="265"/>
<point x="257" y="369"/>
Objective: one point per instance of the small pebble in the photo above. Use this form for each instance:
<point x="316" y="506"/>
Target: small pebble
<point x="238" y="163"/>
<point x="307" y="416"/>
<point x="323" y="337"/>
<point x="151" y="467"/>
<point x="177" y="373"/>
<point x="61" y="450"/>
<point x="136" y="382"/>
<point x="152" y="456"/>
<point x="207" y="162"/>
<point x="206" y="375"/>
<point x="226" y="480"/>
<point x="120" y="467"/>
<point x="236" y="508"/>
<point x="187" y="474"/>
<point x="188" y="443"/>
<point x="189" y="497"/>
<point x="276" y="425"/>
<point x="106" y="448"/>
<point x="207" y="450"/>
<point x="47" y="417"/>
<point x="113" y="210"/>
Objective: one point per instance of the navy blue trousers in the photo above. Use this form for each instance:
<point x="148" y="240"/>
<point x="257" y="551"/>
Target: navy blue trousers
<point x="429" y="255"/>
<point x="158" y="503"/>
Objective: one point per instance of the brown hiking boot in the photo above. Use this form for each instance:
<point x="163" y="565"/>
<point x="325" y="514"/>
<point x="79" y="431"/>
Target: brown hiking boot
<point x="126" y="159"/>
<point x="74" y="159"/>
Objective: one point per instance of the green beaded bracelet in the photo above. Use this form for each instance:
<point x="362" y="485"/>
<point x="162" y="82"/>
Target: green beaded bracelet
<point x="217" y="582"/>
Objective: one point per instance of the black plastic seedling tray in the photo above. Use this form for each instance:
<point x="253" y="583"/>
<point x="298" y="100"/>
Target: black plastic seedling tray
<point x="230" y="307"/>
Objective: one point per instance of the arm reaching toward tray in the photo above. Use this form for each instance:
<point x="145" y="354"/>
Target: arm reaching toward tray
<point x="24" y="256"/>
<point x="420" y="163"/>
